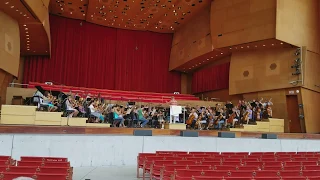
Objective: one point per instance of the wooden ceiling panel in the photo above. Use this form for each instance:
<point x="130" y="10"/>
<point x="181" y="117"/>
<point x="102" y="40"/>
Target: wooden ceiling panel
<point x="17" y="11"/>
<point x="76" y="9"/>
<point x="150" y="15"/>
<point x="33" y="37"/>
<point x="217" y="54"/>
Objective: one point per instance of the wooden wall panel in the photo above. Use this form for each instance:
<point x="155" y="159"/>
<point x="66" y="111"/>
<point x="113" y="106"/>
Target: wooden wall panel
<point x="184" y="83"/>
<point x="262" y="70"/>
<point x="9" y="44"/>
<point x="312" y="71"/>
<point x="311" y="101"/>
<point x="40" y="9"/>
<point x="222" y="95"/>
<point x="297" y="23"/>
<point x="5" y="79"/>
<point x="242" y="21"/>
<point x="191" y="40"/>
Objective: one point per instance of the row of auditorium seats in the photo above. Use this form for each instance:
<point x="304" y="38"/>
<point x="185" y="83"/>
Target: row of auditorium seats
<point x="38" y="168"/>
<point x="116" y="94"/>
<point x="176" y="165"/>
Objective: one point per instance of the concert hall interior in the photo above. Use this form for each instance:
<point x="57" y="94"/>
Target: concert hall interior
<point x="165" y="67"/>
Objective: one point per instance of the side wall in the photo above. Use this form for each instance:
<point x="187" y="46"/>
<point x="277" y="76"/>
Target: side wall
<point x="9" y="44"/>
<point x="310" y="100"/>
<point x="256" y="71"/>
<point x="312" y="71"/>
<point x="298" y="23"/>
<point x="242" y="21"/>
<point x="191" y="40"/>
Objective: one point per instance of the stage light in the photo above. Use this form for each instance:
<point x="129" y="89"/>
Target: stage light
<point x="211" y="58"/>
<point x="256" y="46"/>
<point x="281" y="43"/>
<point x="6" y="3"/>
<point x="24" y="25"/>
<point x="297" y="53"/>
<point x="241" y="47"/>
<point x="272" y="44"/>
<point x="263" y="45"/>
<point x="230" y="48"/>
<point x="221" y="53"/>
<point x="248" y="46"/>
<point x="12" y="7"/>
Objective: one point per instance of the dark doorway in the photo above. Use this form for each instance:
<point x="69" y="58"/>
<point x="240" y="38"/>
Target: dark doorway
<point x="293" y="114"/>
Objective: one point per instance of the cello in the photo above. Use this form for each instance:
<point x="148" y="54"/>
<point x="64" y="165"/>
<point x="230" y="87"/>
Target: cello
<point x="190" y="119"/>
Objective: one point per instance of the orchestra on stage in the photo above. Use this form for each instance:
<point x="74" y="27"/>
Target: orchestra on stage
<point x="131" y="114"/>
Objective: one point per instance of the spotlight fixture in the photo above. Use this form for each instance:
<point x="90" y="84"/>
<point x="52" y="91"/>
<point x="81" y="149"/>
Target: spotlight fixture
<point x="297" y="53"/>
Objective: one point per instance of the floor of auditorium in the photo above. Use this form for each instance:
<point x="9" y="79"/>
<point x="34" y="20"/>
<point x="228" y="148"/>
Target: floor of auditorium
<point x="23" y="129"/>
<point x="103" y="173"/>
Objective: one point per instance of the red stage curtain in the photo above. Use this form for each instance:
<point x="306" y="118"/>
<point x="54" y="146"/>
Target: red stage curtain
<point x="100" y="57"/>
<point x="212" y="78"/>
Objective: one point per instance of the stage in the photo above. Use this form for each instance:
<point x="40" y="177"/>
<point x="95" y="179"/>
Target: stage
<point x="23" y="129"/>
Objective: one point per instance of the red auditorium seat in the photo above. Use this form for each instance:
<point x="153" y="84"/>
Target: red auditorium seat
<point x="212" y="163"/>
<point x="290" y="173"/>
<point x="171" y="152"/>
<point x="266" y="173"/>
<point x="39" y="163"/>
<point x="48" y="159"/>
<point x="311" y="168"/>
<point x="12" y="175"/>
<point x="310" y="173"/>
<point x="243" y="168"/>
<point x="225" y="167"/>
<point x="205" y="153"/>
<point x="4" y="162"/>
<point x="198" y="178"/>
<point x="190" y="173"/>
<point x="241" y="173"/>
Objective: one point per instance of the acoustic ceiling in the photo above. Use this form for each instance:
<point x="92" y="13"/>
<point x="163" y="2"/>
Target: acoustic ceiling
<point x="163" y="16"/>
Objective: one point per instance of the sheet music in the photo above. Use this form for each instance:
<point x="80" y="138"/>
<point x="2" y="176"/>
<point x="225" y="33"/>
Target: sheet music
<point x="175" y="110"/>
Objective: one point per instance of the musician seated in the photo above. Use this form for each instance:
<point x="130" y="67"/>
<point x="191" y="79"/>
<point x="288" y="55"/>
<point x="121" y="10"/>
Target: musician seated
<point x="95" y="112"/>
<point x="117" y="116"/>
<point x="195" y="115"/>
<point x="48" y="101"/>
<point x="70" y="107"/>
<point x="141" y="116"/>
<point x="220" y="119"/>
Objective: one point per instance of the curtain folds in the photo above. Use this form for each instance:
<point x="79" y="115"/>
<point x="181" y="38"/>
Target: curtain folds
<point x="100" y="57"/>
<point x="211" y="78"/>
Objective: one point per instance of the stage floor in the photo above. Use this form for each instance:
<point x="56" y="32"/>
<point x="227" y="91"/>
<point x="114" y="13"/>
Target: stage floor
<point x="22" y="129"/>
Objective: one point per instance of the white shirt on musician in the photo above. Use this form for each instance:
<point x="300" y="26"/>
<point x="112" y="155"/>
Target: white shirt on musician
<point x="92" y="109"/>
